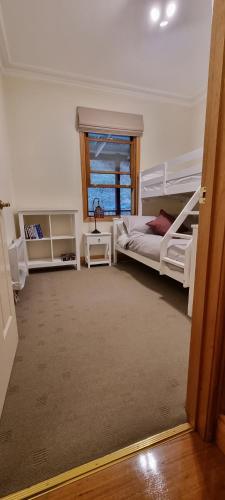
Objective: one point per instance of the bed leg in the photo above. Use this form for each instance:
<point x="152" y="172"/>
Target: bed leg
<point x="114" y="256"/>
<point x="192" y="270"/>
<point x="115" y="221"/>
<point x="190" y="302"/>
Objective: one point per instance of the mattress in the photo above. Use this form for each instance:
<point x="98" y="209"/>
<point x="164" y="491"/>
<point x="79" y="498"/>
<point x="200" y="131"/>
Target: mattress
<point x="148" y="245"/>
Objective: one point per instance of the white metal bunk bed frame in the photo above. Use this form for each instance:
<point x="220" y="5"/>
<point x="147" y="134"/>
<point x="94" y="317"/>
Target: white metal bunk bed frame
<point x="188" y="181"/>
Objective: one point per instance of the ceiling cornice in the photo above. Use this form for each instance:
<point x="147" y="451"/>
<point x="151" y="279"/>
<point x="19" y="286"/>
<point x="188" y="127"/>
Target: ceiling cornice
<point x="48" y="75"/>
<point x="12" y="69"/>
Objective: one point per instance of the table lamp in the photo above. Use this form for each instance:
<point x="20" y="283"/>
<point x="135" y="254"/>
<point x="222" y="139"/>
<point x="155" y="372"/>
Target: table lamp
<point x="98" y="214"/>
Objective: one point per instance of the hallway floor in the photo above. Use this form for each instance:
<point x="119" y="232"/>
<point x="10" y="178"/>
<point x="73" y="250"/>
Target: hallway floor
<point x="183" y="468"/>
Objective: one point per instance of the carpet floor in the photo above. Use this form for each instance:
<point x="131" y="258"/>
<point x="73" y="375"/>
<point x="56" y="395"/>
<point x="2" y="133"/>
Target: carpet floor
<point x="101" y="363"/>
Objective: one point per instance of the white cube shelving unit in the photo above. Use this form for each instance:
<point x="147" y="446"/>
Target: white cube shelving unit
<point x="60" y="235"/>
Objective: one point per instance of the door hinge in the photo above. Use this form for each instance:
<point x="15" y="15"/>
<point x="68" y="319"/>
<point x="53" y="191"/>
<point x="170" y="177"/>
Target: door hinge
<point x="202" y="199"/>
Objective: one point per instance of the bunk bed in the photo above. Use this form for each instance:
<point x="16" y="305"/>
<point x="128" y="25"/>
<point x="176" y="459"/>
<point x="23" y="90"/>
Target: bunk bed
<point x="173" y="254"/>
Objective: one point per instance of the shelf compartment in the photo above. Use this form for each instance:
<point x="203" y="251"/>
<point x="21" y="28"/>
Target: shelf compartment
<point x="41" y="252"/>
<point x="61" y="246"/>
<point x="62" y="224"/>
<point x="41" y="219"/>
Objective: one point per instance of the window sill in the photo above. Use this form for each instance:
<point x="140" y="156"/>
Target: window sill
<point x="107" y="218"/>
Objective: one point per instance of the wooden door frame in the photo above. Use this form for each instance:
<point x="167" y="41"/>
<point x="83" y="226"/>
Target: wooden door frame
<point x="208" y="317"/>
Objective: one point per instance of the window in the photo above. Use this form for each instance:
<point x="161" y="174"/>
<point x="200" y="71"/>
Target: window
<point x="109" y="173"/>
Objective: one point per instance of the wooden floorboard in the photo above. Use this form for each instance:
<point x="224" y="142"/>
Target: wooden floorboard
<point x="184" y="468"/>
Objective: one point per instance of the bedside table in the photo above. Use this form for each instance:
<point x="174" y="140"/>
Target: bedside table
<point x="91" y="239"/>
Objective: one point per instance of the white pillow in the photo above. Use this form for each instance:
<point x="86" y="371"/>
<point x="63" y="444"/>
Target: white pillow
<point x="137" y="223"/>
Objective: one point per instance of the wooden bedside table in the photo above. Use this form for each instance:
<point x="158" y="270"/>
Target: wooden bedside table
<point x="97" y="239"/>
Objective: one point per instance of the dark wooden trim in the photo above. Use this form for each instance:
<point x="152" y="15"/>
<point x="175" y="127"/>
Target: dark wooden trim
<point x="109" y="172"/>
<point x="83" y="173"/>
<point x="117" y="141"/>
<point x="207" y="326"/>
<point x="137" y="172"/>
<point x="220" y="433"/>
<point x="107" y="218"/>
<point x="116" y="186"/>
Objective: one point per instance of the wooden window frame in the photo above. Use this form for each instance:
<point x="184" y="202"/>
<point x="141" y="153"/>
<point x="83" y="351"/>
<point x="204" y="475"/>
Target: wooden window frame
<point x="85" y="172"/>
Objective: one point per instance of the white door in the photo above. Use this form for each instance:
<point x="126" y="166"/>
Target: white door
<point x="8" y="325"/>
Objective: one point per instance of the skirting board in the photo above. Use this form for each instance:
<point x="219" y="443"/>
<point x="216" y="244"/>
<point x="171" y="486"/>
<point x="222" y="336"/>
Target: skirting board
<point x="89" y="468"/>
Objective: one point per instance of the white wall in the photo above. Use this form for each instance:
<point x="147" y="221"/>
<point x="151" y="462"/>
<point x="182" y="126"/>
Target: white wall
<point x="198" y="128"/>
<point x="45" y="145"/>
<point x="6" y="190"/>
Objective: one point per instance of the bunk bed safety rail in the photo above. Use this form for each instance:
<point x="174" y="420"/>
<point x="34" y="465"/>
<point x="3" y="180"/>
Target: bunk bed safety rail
<point x="180" y="175"/>
<point x="153" y="180"/>
<point x="188" y="160"/>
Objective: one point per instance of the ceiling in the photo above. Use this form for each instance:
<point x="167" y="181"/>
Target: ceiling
<point x="109" y="43"/>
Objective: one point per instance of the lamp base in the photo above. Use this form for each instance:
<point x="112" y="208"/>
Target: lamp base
<point x="96" y="231"/>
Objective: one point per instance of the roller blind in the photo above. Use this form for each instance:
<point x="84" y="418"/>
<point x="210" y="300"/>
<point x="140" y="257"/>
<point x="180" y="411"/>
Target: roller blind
<point x="109" y="122"/>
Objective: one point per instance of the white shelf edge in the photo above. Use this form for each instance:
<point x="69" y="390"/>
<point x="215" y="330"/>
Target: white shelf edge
<point x="63" y="262"/>
<point x="38" y="239"/>
<point x="64" y="237"/>
<point x="36" y="263"/>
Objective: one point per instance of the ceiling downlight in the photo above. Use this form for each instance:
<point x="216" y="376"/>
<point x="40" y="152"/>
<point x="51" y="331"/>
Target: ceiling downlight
<point x="163" y="14"/>
<point x="155" y="14"/>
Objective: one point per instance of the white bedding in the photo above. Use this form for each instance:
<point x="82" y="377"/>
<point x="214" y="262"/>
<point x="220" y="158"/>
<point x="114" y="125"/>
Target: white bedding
<point x="148" y="245"/>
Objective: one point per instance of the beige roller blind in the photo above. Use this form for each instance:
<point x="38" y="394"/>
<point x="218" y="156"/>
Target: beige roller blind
<point x="109" y="122"/>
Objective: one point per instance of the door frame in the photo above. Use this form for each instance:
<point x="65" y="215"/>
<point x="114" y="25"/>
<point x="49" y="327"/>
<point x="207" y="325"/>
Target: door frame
<point x="208" y="318"/>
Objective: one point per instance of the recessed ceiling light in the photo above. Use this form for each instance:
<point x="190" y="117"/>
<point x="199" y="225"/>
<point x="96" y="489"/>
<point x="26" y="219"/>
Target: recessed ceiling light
<point x="171" y="9"/>
<point x="163" y="24"/>
<point x="155" y="14"/>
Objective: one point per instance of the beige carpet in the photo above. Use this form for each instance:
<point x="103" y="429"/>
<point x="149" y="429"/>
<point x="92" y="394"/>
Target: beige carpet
<point x="101" y="363"/>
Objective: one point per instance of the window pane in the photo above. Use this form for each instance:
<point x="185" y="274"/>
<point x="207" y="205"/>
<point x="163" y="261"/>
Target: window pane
<point x="102" y="179"/>
<point x="125" y="180"/>
<point x="110" y="179"/>
<point x="109" y="136"/>
<point x="109" y="156"/>
<point x="110" y="166"/>
<point x="106" y="198"/>
<point x="109" y="151"/>
<point x="100" y="165"/>
<point x="125" y="201"/>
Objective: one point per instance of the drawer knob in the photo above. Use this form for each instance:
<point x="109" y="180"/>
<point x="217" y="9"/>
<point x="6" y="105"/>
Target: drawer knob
<point x="99" y="239"/>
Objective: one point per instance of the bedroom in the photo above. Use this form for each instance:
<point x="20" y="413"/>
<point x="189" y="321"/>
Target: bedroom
<point x="54" y="62"/>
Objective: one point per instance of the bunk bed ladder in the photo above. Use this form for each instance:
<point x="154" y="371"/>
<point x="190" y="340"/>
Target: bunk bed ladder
<point x="165" y="261"/>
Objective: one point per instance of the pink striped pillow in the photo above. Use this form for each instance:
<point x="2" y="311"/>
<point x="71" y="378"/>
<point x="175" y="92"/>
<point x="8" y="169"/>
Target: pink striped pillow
<point x="160" y="225"/>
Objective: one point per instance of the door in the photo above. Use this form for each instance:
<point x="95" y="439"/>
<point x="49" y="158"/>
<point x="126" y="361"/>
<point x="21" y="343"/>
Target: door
<point x="208" y="325"/>
<point x="8" y="325"/>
